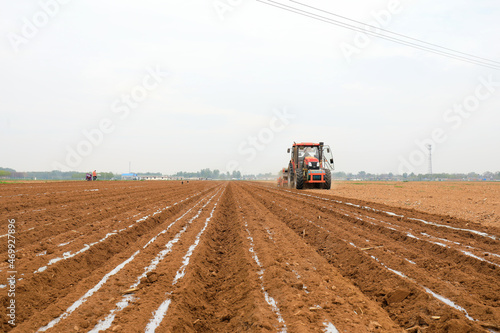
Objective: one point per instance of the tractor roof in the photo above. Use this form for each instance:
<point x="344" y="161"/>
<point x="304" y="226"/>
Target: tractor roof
<point x="307" y="144"/>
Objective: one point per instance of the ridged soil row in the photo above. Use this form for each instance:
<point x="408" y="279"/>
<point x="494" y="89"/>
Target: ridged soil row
<point x="62" y="283"/>
<point x="444" y="268"/>
<point x="310" y="293"/>
<point x="89" y="232"/>
<point x="41" y="217"/>
<point x="342" y="240"/>
<point x="127" y="301"/>
<point x="221" y="290"/>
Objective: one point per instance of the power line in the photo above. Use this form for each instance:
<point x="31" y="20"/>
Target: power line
<point x="395" y="33"/>
<point x="379" y="35"/>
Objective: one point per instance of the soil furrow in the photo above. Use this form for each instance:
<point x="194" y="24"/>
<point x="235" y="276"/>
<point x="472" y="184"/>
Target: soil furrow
<point x="355" y="264"/>
<point x="222" y="270"/>
<point x="310" y="291"/>
<point x="83" y="271"/>
<point x="241" y="257"/>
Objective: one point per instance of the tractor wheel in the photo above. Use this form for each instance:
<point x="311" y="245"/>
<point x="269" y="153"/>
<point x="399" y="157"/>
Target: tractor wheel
<point x="328" y="180"/>
<point x="291" y="176"/>
<point x="299" y="179"/>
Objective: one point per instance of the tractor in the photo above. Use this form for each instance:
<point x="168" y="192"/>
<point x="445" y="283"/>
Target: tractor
<point x="309" y="167"/>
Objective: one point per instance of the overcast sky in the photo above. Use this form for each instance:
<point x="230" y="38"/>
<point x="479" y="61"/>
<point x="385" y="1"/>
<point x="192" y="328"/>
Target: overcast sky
<point x="220" y="84"/>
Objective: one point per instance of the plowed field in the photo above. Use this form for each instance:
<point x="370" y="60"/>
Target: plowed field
<point x="240" y="256"/>
<point x="478" y="202"/>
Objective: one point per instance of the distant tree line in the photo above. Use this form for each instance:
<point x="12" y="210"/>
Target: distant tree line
<point x="8" y="173"/>
<point x="471" y="176"/>
<point x="209" y="174"/>
<point x="217" y="174"/>
<point x="149" y="174"/>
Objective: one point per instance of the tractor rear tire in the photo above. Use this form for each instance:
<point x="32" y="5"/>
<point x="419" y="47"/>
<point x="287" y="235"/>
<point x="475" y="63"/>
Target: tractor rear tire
<point x="291" y="176"/>
<point x="328" y="180"/>
<point x="299" y="179"/>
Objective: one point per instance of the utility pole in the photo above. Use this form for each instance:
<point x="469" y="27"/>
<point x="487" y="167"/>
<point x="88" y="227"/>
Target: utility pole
<point x="429" y="166"/>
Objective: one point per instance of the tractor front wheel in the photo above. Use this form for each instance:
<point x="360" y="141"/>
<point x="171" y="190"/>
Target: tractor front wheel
<point x="328" y="180"/>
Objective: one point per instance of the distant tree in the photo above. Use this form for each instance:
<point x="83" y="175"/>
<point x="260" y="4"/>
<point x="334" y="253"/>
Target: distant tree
<point x="78" y="175"/>
<point x="473" y="175"/>
<point x="110" y="175"/>
<point x="362" y="174"/>
<point x="488" y="175"/>
<point x="339" y="175"/>
<point x="5" y="173"/>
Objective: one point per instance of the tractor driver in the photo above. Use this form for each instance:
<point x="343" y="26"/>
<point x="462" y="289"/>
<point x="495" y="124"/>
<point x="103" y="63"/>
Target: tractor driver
<point x="312" y="151"/>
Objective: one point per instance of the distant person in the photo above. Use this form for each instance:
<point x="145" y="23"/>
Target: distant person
<point x="94" y="175"/>
<point x="182" y="182"/>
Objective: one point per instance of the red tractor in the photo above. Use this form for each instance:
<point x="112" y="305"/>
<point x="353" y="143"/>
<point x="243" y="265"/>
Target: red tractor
<point x="309" y="167"/>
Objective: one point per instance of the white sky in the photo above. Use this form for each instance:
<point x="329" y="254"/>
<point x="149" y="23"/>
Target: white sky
<point x="228" y="78"/>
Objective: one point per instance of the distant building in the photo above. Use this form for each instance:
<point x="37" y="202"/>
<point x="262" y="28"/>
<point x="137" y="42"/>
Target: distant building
<point x="155" y="177"/>
<point x="129" y="176"/>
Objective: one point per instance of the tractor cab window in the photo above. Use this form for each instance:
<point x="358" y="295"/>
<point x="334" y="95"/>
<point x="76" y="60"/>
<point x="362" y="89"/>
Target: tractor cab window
<point x="311" y="152"/>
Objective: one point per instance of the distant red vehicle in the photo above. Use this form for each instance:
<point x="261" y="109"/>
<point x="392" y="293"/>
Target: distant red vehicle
<point x="309" y="167"/>
<point x="282" y="182"/>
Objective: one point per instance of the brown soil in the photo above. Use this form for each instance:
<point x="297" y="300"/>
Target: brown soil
<point x="242" y="256"/>
<point x="478" y="202"/>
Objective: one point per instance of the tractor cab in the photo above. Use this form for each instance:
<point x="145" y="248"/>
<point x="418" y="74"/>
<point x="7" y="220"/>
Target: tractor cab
<point x="311" y="157"/>
<point x="310" y="165"/>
